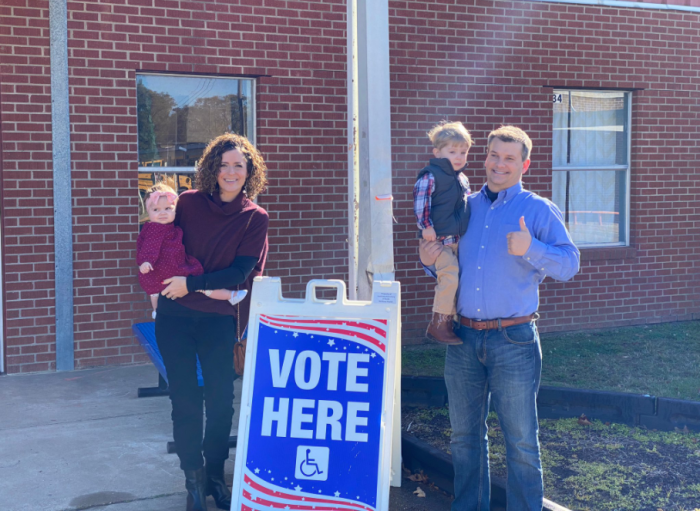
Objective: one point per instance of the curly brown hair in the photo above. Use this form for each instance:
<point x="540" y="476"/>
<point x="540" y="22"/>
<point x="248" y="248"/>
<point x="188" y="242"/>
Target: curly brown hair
<point x="207" y="168"/>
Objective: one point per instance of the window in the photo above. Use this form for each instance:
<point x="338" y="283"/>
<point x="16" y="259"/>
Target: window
<point x="179" y="115"/>
<point x="590" y="160"/>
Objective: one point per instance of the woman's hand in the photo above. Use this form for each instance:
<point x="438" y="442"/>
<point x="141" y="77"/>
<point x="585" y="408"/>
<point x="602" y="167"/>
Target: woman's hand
<point x="429" y="251"/>
<point x="177" y="287"/>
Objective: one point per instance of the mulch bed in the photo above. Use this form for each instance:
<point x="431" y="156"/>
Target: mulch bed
<point x="591" y="466"/>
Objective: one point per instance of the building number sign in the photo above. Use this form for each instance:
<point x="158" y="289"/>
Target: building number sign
<point x="556" y="98"/>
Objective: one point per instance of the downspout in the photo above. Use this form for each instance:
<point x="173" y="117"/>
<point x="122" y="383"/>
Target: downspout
<point x="3" y="305"/>
<point x="62" y="204"/>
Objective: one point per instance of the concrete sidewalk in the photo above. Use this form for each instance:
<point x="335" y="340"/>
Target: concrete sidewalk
<point x="83" y="440"/>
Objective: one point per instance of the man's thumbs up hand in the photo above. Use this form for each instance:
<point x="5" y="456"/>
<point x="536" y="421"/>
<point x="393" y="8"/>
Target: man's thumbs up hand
<point x="519" y="241"/>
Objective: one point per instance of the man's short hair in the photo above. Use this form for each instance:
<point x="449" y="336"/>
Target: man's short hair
<point x="447" y="133"/>
<point x="511" y="134"/>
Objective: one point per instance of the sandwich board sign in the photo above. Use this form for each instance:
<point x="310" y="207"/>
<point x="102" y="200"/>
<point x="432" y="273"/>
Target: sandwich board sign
<point x="318" y="400"/>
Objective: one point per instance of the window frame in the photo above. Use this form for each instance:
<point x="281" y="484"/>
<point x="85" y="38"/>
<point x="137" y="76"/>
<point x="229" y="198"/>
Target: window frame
<point x="253" y="130"/>
<point x="627" y="168"/>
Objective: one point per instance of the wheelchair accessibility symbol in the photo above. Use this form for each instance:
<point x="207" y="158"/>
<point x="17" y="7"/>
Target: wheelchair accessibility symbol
<point x="312" y="463"/>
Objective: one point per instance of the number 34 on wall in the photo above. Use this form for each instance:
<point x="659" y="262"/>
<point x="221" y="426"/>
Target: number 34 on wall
<point x="556" y="98"/>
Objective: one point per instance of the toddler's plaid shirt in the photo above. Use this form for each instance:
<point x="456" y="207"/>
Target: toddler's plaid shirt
<point x="422" y="191"/>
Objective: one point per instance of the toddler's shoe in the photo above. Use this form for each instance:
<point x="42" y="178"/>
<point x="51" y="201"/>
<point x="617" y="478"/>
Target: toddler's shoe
<point x="441" y="330"/>
<point x="237" y="296"/>
<point x="153" y="314"/>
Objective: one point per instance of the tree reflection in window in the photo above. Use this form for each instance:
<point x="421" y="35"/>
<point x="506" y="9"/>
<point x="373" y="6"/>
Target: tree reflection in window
<point x="178" y="115"/>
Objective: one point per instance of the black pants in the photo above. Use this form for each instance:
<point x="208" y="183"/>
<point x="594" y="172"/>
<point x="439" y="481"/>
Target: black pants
<point x="181" y="340"/>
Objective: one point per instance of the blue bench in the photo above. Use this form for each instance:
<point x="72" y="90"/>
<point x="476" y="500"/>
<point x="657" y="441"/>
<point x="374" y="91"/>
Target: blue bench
<point x="146" y="334"/>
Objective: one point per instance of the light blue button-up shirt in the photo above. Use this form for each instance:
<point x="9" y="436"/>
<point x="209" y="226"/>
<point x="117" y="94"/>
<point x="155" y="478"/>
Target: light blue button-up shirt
<point x="494" y="284"/>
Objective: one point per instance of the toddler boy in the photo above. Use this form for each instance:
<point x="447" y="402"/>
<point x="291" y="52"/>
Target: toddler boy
<point x="440" y="205"/>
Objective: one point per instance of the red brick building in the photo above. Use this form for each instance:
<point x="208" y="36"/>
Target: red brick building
<point x="558" y="70"/>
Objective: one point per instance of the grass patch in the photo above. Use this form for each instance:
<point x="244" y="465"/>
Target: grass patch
<point x="595" y="467"/>
<point x="661" y="360"/>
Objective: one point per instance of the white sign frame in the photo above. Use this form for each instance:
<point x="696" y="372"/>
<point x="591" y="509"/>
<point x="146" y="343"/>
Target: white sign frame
<point x="267" y="300"/>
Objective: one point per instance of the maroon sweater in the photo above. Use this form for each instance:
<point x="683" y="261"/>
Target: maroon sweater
<point x="216" y="233"/>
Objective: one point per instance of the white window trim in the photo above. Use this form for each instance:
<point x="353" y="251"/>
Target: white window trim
<point x="253" y="131"/>
<point x="623" y="4"/>
<point x="602" y="167"/>
<point x="182" y="170"/>
<point x="628" y="167"/>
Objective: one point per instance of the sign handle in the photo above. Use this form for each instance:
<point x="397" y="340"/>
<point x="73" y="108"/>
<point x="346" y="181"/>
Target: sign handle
<point x="314" y="284"/>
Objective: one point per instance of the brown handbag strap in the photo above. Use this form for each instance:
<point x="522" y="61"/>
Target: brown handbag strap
<point x="238" y="317"/>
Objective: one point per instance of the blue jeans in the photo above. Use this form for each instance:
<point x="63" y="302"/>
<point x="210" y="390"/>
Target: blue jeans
<point x="504" y="364"/>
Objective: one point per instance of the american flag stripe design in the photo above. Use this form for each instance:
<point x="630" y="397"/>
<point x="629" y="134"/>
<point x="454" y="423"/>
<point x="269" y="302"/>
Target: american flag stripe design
<point x="367" y="332"/>
<point x="260" y="494"/>
<point x="346" y="322"/>
<point x="274" y="504"/>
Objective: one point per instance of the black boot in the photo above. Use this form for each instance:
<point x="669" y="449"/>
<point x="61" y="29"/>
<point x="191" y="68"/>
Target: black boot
<point x="195" y="482"/>
<point x="216" y="485"/>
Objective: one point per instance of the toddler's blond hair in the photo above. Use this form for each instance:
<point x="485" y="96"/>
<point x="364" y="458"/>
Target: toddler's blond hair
<point x="447" y="133"/>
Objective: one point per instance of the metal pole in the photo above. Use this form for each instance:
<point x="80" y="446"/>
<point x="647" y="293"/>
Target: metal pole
<point x="376" y="219"/>
<point x="62" y="203"/>
<point x="364" y="257"/>
<point x="568" y="162"/>
<point x="353" y="153"/>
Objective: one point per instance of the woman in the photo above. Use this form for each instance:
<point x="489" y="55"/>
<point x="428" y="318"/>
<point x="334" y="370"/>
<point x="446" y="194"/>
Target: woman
<point x="227" y="233"/>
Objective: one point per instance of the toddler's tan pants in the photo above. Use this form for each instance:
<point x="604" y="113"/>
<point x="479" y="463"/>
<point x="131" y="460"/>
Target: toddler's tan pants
<point x="447" y="269"/>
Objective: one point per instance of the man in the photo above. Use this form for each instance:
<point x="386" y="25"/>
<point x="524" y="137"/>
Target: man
<point x="515" y="238"/>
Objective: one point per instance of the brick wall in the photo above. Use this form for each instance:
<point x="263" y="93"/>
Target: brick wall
<point x="485" y="63"/>
<point x="27" y="212"/>
<point x="297" y="49"/>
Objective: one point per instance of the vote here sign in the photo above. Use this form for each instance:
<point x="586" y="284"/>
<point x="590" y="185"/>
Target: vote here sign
<point x="317" y="402"/>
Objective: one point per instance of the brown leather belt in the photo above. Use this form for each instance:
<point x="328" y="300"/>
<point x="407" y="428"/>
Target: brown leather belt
<point x="493" y="324"/>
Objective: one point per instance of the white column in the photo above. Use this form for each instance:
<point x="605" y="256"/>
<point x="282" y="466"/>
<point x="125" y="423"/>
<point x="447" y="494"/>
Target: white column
<point x="376" y="233"/>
